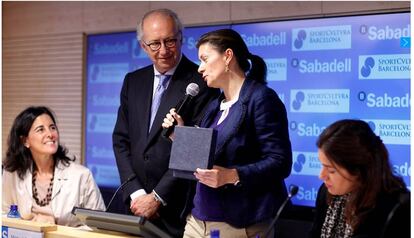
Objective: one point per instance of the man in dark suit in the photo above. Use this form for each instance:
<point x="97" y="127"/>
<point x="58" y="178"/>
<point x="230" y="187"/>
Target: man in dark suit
<point x="138" y="144"/>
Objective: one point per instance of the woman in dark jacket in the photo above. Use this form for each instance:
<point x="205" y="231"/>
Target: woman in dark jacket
<point x="360" y="197"/>
<point x="245" y="187"/>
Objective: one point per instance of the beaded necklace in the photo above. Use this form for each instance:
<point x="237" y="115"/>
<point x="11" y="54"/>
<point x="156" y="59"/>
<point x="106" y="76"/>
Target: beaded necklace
<point x="45" y="201"/>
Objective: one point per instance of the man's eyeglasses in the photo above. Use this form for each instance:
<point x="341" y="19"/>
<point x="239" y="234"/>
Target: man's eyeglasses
<point x="156" y="45"/>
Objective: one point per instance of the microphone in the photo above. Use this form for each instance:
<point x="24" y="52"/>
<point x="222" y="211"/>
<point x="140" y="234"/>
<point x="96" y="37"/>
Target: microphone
<point x="133" y="176"/>
<point x="191" y="91"/>
<point x="293" y="190"/>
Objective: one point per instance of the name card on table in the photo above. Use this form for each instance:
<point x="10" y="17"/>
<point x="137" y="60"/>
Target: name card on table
<point x="18" y="228"/>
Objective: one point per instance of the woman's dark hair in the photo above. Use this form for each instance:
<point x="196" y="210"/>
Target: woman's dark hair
<point x="352" y="145"/>
<point x="18" y="157"/>
<point x="224" y="39"/>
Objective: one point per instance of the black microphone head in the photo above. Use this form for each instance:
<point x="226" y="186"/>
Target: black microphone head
<point x="192" y="89"/>
<point x="293" y="190"/>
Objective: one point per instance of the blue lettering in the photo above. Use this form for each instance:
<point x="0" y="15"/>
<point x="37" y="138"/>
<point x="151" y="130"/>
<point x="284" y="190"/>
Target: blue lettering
<point x="317" y="66"/>
<point x="304" y="194"/>
<point x="388" y="33"/>
<point x="397" y="126"/>
<point x="403" y="170"/>
<point x="117" y="48"/>
<point x="191" y="43"/>
<point x="395" y="61"/>
<point x="387" y="101"/>
<point x="270" y="39"/>
<point x="313" y="130"/>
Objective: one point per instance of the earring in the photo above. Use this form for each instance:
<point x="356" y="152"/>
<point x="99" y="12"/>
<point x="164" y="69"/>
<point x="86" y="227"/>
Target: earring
<point x="227" y="68"/>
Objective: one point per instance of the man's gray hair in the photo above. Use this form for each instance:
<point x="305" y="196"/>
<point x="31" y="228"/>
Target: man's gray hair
<point x="164" y="11"/>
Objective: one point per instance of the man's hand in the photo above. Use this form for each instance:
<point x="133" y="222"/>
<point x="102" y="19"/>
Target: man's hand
<point x="145" y="206"/>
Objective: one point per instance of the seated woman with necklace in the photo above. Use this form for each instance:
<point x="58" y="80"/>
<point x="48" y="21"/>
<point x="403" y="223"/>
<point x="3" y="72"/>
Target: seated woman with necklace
<point x="40" y="178"/>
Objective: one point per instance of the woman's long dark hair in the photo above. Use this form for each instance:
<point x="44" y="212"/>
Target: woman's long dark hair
<point x="18" y="157"/>
<point x="224" y="39"/>
<point x="352" y="145"/>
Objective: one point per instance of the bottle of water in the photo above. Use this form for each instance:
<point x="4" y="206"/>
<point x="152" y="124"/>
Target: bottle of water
<point x="214" y="233"/>
<point x="14" y="212"/>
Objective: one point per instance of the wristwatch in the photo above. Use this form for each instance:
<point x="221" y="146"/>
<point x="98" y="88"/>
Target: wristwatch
<point x="157" y="198"/>
<point x="237" y="183"/>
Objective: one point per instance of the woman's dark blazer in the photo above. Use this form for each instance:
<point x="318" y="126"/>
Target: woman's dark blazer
<point x="255" y="141"/>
